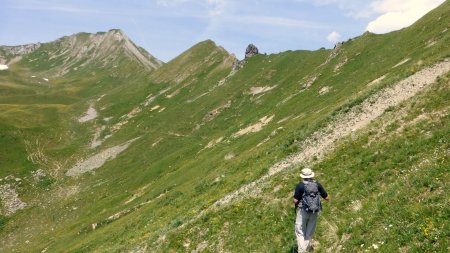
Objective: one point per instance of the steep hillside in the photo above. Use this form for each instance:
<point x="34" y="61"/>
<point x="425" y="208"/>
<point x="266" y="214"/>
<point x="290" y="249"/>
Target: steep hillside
<point x="49" y="85"/>
<point x="197" y="155"/>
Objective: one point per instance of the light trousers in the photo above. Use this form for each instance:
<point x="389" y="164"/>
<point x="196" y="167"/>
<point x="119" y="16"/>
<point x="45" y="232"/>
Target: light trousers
<point x="305" y="224"/>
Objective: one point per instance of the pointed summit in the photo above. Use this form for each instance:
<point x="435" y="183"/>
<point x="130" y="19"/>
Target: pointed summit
<point x="200" y="56"/>
<point x="102" y="50"/>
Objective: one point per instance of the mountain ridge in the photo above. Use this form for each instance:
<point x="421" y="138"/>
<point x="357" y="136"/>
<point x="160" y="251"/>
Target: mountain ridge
<point x="73" y="52"/>
<point x="175" y="146"/>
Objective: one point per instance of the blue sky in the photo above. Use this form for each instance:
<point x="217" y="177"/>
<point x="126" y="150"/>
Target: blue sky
<point x="166" y="28"/>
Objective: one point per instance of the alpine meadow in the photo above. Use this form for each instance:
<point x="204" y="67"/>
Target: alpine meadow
<point x="105" y="148"/>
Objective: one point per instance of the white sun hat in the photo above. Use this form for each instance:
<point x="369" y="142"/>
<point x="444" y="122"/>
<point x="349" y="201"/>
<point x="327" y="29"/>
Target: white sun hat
<point x="307" y="173"/>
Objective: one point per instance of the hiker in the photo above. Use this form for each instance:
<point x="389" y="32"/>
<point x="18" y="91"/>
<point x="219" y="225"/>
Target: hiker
<point x="307" y="205"/>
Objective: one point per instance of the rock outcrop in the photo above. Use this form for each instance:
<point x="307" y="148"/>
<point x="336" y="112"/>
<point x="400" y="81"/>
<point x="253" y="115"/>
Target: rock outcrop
<point x="11" y="54"/>
<point x="251" y="51"/>
<point x="9" y="200"/>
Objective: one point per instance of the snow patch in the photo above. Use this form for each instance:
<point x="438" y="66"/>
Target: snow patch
<point x="3" y="67"/>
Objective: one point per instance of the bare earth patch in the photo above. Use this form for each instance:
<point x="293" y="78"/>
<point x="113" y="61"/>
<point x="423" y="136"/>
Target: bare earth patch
<point x="379" y="79"/>
<point x="214" y="142"/>
<point x="340" y="64"/>
<point x="430" y="43"/>
<point x="90" y="114"/>
<point x="402" y="62"/>
<point x="283" y="119"/>
<point x="214" y="113"/>
<point x="229" y="156"/>
<point x="141" y="191"/>
<point x="356" y="205"/>
<point x="324" y="90"/>
<point x="157" y="142"/>
<point x="255" y="127"/>
<point x="155" y="107"/>
<point x="309" y="82"/>
<point x="258" y="90"/>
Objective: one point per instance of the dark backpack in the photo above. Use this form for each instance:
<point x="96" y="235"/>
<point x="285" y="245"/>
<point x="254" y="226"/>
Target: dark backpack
<point x="311" y="197"/>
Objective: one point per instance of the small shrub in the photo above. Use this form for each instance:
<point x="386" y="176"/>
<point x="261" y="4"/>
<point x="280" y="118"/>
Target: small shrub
<point x="3" y="221"/>
<point x="389" y="109"/>
<point x="176" y="223"/>
<point x="45" y="182"/>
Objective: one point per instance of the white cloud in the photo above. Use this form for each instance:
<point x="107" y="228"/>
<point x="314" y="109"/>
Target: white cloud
<point x="214" y="7"/>
<point x="399" y="14"/>
<point x="385" y="15"/>
<point x="353" y="8"/>
<point x="217" y="7"/>
<point x="275" y="21"/>
<point x="170" y="3"/>
<point x="333" y="37"/>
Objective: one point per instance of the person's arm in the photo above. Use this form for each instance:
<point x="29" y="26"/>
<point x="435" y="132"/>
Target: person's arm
<point x="323" y="193"/>
<point x="298" y="194"/>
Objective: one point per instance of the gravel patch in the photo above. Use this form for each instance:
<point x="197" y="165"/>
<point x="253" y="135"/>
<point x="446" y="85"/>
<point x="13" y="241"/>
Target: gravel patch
<point x="90" y="114"/>
<point x="10" y="200"/>
<point x="96" y="161"/>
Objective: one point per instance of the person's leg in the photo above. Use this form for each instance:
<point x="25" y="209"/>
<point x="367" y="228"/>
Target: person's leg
<point x="309" y="231"/>
<point x="300" y="228"/>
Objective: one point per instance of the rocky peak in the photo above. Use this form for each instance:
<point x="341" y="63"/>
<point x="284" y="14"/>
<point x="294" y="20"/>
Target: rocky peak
<point x="85" y="50"/>
<point x="251" y="51"/>
<point x="338" y="45"/>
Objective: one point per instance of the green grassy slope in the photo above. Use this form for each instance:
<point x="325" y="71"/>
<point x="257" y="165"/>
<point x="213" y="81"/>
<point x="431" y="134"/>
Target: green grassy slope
<point x="387" y="185"/>
<point x="147" y="196"/>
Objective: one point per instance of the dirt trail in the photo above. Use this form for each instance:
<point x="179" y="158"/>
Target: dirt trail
<point x="323" y="141"/>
